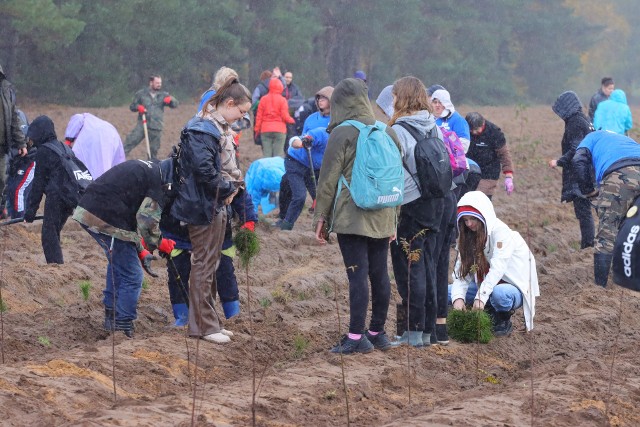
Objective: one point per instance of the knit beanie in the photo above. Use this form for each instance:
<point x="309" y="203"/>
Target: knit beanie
<point x="385" y="101"/>
<point x="470" y="211"/>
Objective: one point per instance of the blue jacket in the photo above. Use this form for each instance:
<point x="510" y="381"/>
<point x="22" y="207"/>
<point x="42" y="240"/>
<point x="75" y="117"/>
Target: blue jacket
<point x="614" y="114"/>
<point x="319" y="144"/>
<point x="315" y="120"/>
<point x="600" y="153"/>
<point x="456" y="123"/>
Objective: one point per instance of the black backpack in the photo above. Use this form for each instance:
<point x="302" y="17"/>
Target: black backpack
<point x="433" y="167"/>
<point x="76" y="177"/>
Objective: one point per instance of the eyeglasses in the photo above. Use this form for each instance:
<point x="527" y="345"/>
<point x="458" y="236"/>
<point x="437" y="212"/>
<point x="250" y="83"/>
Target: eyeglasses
<point x="243" y="113"/>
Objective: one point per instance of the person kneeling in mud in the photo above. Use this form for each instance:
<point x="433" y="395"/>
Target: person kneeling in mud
<point x="498" y="259"/>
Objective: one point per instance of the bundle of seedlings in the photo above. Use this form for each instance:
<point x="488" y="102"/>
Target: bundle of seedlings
<point x="469" y="326"/>
<point x="247" y="245"/>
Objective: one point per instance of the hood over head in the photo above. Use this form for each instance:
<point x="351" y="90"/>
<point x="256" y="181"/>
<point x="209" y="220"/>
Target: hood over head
<point x="618" y="95"/>
<point x="41" y="130"/>
<point x="76" y="123"/>
<point x="480" y="202"/>
<point x="275" y="86"/>
<point x="567" y="105"/>
<point x="444" y="97"/>
<point x="350" y="101"/>
<point x="325" y="92"/>
<point x="422" y="120"/>
<point x="434" y="88"/>
<point x="385" y="101"/>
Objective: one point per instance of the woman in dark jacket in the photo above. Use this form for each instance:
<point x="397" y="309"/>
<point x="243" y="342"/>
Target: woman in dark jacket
<point x="576" y="127"/>
<point x="201" y="201"/>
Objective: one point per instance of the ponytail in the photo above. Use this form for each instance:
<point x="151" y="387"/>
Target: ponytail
<point x="230" y="89"/>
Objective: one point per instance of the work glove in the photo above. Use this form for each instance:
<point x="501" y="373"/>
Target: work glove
<point x="166" y="246"/>
<point x="249" y="225"/>
<point x="508" y="185"/>
<point x="29" y="217"/>
<point x="141" y="109"/>
<point x="307" y="141"/>
<point x="145" y="259"/>
<point x="167" y="100"/>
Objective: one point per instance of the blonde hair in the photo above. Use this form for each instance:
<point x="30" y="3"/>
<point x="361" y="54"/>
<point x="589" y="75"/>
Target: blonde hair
<point x="411" y="96"/>
<point x="222" y="75"/>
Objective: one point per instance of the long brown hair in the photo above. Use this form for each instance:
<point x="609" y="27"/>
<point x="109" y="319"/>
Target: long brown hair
<point x="471" y="247"/>
<point x="230" y="89"/>
<point x="411" y="96"/>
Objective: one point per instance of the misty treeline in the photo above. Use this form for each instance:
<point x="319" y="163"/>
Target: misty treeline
<point x="96" y="52"/>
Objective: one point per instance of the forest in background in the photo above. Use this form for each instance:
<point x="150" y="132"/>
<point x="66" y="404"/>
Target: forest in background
<point x="96" y="53"/>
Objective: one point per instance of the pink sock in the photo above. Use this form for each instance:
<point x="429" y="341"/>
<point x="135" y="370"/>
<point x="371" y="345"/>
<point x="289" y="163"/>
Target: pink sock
<point x="373" y="333"/>
<point x="355" y="336"/>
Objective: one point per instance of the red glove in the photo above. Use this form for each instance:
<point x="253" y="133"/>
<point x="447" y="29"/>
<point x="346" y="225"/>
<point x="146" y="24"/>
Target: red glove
<point x="144" y="244"/>
<point x="167" y="100"/>
<point x="166" y="246"/>
<point x="145" y="259"/>
<point x="141" y="109"/>
<point x="249" y="225"/>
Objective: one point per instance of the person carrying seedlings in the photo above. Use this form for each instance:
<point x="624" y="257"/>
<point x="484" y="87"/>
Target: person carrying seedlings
<point x="607" y="165"/>
<point x="495" y="271"/>
<point x="363" y="235"/>
<point x="121" y="211"/>
<point x="49" y="178"/>
<point x="489" y="149"/>
<point x="576" y="127"/>
<point x="421" y="215"/>
<point x="202" y="198"/>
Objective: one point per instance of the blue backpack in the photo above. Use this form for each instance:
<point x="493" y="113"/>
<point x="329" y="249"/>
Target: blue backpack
<point x="377" y="178"/>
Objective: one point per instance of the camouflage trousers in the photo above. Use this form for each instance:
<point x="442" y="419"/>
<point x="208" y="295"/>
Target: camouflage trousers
<point x="618" y="191"/>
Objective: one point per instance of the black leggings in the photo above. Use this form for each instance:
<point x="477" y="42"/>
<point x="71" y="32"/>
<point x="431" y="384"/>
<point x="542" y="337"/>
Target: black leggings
<point x="365" y="259"/>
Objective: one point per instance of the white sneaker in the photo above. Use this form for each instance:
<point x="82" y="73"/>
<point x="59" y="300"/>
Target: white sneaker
<point x="226" y="332"/>
<point x="217" y="338"/>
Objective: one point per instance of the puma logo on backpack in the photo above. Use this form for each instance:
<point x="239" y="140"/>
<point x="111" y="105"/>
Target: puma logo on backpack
<point x="377" y="178"/>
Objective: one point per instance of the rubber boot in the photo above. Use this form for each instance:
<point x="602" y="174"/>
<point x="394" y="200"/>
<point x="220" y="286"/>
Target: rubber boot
<point x="401" y="320"/>
<point x="125" y="326"/>
<point x="181" y="314"/>
<point x="413" y="338"/>
<point x="231" y="308"/>
<point x="108" y="319"/>
<point x="286" y="225"/>
<point x="502" y="325"/>
<point x="601" y="267"/>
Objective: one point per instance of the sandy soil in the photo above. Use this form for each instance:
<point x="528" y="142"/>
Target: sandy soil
<point x="58" y="362"/>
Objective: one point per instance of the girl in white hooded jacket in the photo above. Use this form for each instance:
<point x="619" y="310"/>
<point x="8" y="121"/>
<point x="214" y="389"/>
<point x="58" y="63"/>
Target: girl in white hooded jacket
<point x="497" y="258"/>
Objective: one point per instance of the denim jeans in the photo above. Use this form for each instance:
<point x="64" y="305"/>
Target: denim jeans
<point x="125" y="272"/>
<point x="504" y="297"/>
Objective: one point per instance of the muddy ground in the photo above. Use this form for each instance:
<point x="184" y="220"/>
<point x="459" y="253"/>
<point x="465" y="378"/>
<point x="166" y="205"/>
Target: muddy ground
<point x="58" y="362"/>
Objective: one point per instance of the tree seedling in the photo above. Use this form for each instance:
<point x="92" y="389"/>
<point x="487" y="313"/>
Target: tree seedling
<point x="469" y="326"/>
<point x="3" y="306"/>
<point x="85" y="289"/>
<point x="44" y="341"/>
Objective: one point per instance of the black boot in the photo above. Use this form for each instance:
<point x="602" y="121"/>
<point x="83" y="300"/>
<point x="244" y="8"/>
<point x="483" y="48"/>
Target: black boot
<point x="502" y="325"/>
<point x="401" y="319"/>
<point x="601" y="266"/>
<point x="125" y="326"/>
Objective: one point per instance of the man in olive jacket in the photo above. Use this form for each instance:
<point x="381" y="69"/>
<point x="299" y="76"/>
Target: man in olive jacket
<point x="150" y="101"/>
<point x="11" y="135"/>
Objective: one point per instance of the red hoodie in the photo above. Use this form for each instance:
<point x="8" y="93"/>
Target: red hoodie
<point x="273" y="110"/>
